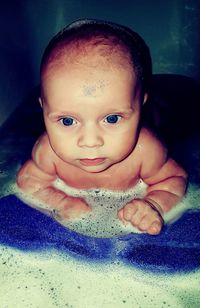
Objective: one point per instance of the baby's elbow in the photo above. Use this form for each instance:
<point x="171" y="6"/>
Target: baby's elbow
<point x="175" y="185"/>
<point x="23" y="178"/>
<point x="182" y="173"/>
<point x="183" y="179"/>
<point x="178" y="186"/>
<point x="20" y="176"/>
<point x="180" y="179"/>
<point x="184" y="183"/>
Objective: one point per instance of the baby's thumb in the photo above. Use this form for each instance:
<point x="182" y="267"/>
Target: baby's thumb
<point x="121" y="216"/>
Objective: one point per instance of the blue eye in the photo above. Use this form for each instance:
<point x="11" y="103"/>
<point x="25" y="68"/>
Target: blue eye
<point x="67" y="121"/>
<point x="113" y="118"/>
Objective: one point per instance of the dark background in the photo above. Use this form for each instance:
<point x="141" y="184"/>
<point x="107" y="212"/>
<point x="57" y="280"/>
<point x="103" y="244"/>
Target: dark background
<point x="170" y="28"/>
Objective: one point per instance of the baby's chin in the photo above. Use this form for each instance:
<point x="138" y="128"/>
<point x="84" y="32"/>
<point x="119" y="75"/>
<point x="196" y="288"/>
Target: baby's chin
<point x="92" y="167"/>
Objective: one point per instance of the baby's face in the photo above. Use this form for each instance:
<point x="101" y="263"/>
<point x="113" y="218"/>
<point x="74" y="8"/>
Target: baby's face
<point x="91" y="114"/>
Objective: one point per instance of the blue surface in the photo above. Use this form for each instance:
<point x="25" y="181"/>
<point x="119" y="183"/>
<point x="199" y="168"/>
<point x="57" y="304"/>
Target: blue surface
<point x="176" y="249"/>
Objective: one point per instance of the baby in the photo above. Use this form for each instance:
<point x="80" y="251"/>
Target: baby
<point x="94" y="82"/>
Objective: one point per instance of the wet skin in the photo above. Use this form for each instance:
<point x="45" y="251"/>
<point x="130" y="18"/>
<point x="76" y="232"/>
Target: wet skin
<point x="93" y="139"/>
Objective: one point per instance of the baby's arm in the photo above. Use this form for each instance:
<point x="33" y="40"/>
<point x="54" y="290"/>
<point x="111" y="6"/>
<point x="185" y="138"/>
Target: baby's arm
<point x="36" y="178"/>
<point x="167" y="184"/>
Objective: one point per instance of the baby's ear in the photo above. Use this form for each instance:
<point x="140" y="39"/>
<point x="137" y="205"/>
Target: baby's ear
<point x="145" y="98"/>
<point x="40" y="101"/>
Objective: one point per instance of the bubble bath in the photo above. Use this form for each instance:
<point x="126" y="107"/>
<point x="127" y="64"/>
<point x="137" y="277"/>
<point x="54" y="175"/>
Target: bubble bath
<point x="60" y="280"/>
<point x="102" y="221"/>
<point x="95" y="261"/>
<point x="54" y="280"/>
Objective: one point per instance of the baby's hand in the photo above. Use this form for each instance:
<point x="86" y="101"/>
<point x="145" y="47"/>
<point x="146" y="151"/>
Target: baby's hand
<point x="142" y="216"/>
<point x="73" y="208"/>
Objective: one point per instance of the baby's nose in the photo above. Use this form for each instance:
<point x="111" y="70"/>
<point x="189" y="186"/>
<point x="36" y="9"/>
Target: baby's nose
<point x="90" y="137"/>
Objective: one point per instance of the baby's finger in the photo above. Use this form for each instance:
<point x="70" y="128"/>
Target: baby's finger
<point x="147" y="220"/>
<point x="137" y="217"/>
<point x="155" y="228"/>
<point x="120" y="215"/>
<point x="129" y="211"/>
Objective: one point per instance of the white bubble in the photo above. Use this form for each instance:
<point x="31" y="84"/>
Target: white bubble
<point x="102" y="221"/>
<point x="50" y="279"/>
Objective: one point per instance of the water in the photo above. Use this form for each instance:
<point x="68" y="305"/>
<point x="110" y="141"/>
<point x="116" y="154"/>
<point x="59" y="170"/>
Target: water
<point x="53" y="280"/>
<point x="46" y="264"/>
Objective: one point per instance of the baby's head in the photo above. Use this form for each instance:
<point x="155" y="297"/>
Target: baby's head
<point x="94" y="79"/>
<point x="89" y="40"/>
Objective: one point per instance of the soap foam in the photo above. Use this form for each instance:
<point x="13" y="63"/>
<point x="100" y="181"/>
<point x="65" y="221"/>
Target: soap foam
<point x="102" y="221"/>
<point x="50" y="279"/>
<point x="59" y="280"/>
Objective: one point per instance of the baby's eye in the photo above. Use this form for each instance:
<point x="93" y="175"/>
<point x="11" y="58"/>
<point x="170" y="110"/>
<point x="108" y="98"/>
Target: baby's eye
<point x="68" y="121"/>
<point x="113" y="118"/>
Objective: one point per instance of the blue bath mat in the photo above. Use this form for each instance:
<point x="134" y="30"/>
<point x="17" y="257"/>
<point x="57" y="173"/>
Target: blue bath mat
<point x="176" y="249"/>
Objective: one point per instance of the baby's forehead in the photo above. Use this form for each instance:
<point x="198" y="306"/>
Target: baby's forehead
<point x="94" y="52"/>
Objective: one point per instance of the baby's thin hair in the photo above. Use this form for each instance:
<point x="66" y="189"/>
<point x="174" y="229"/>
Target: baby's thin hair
<point x="106" y="36"/>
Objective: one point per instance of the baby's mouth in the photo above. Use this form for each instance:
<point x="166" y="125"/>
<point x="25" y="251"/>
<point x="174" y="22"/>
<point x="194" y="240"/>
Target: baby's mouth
<point x="92" y="162"/>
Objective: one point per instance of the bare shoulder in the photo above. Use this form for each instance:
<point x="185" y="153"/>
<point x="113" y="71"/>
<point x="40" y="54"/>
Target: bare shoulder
<point x="149" y="142"/>
<point x="152" y="152"/>
<point x="43" y="155"/>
